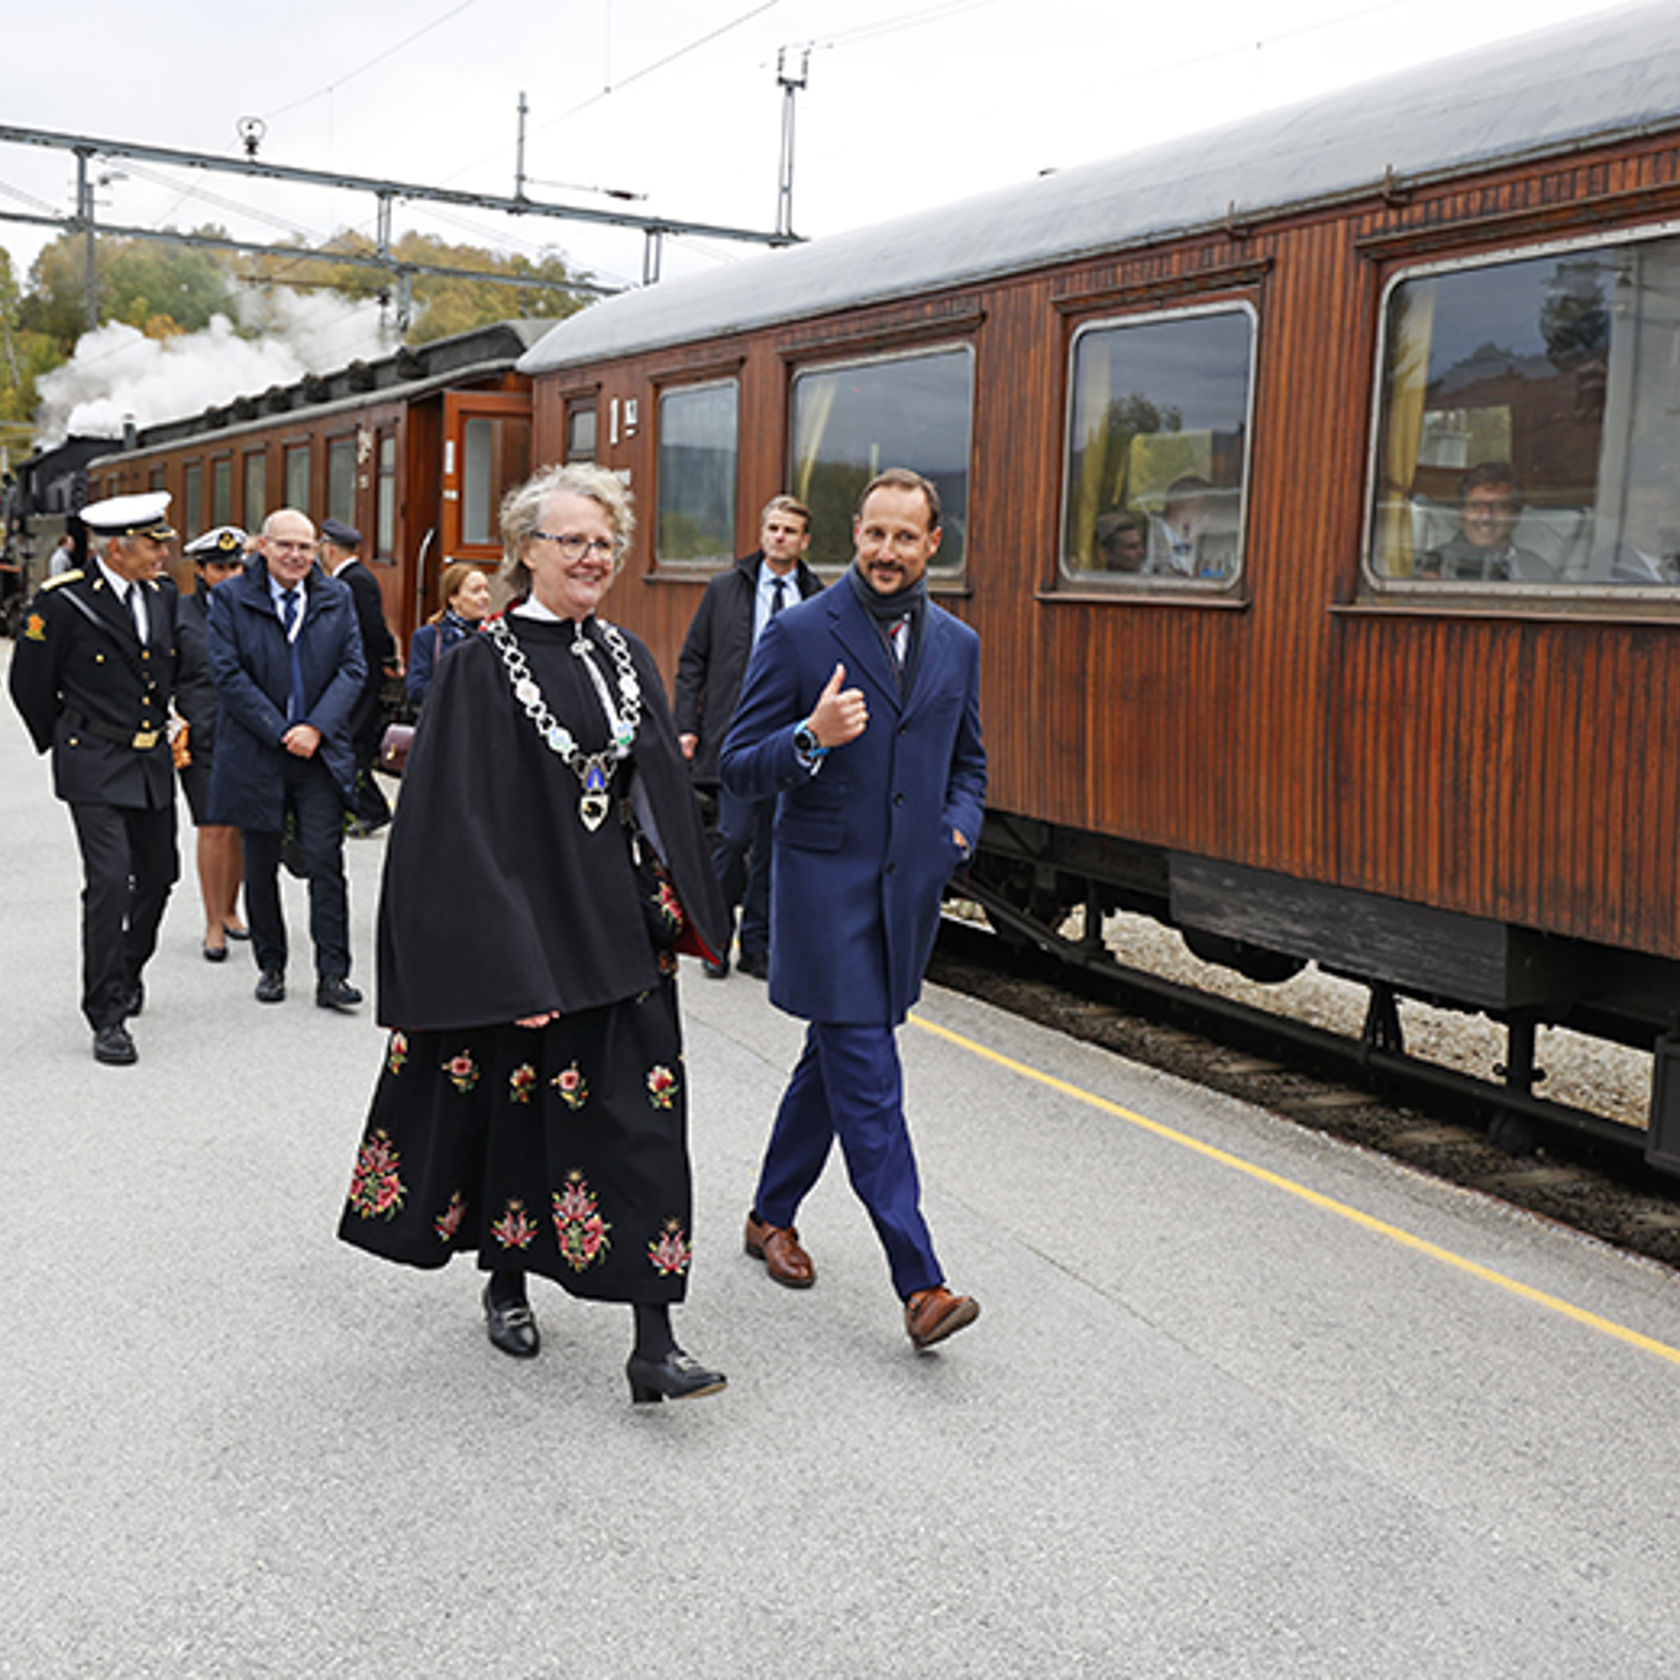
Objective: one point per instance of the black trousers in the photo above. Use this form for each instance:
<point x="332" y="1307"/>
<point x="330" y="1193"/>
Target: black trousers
<point x="367" y="729"/>
<point x="315" y="805"/>
<point x="741" y="861"/>
<point x="129" y="864"/>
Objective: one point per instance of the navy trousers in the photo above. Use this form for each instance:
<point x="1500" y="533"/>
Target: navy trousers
<point x="848" y="1084"/>
<point x="741" y="860"/>
<point x="129" y="863"/>
<point x="313" y="800"/>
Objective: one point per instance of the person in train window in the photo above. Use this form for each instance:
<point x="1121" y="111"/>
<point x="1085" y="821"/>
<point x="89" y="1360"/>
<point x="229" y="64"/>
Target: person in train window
<point x="880" y="787"/>
<point x="533" y="1105"/>
<point x="1490" y="502"/>
<point x="466" y="599"/>
<point x="1122" y="541"/>
<point x="92" y="674"/>
<point x="216" y="556"/>
<point x="727" y="623"/>
<point x="1188" y="541"/>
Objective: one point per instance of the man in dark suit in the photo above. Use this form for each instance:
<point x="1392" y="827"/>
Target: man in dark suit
<point x="861" y="717"/>
<point x="726" y="626"/>
<point x="287" y="659"/>
<point x="340" y="559"/>
<point x="92" y="674"/>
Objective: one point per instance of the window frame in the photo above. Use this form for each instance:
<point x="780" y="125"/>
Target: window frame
<point x="1515" y="595"/>
<point x="942" y="573"/>
<point x="675" y="387"/>
<point x="1156" y="586"/>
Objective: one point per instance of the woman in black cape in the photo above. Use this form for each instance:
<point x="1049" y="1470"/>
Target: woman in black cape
<point x="533" y="1101"/>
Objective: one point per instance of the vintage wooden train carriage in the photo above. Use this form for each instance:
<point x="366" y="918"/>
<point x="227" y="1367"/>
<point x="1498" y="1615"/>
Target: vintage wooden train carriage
<point x="1200" y="416"/>
<point x="413" y="449"/>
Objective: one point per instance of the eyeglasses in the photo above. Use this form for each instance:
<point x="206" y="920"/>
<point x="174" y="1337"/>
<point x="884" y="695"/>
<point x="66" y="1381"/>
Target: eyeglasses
<point x="280" y="546"/>
<point x="574" y="547"/>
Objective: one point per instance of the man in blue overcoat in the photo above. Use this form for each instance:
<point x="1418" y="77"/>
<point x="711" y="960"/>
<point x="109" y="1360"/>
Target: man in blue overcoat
<point x="286" y="654"/>
<point x="860" y="716"/>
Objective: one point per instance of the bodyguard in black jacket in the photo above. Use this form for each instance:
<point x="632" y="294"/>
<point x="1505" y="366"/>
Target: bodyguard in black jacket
<point x="732" y="613"/>
<point x="92" y="675"/>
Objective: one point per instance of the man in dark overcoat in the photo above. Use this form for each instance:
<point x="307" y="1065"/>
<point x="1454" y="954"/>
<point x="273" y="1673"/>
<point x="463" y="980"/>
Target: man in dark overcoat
<point x="341" y="559"/>
<point x="92" y="675"/>
<point x="286" y="655"/>
<point x="860" y="716"/>
<point x="731" y="617"/>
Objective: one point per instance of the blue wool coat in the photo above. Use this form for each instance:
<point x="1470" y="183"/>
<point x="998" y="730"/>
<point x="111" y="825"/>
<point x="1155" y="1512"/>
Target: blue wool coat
<point x="250" y="660"/>
<point x="864" y="847"/>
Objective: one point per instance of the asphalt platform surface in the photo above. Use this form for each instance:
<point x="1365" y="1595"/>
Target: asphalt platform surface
<point x="1242" y="1401"/>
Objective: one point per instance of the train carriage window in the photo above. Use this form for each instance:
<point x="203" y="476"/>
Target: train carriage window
<point x="580" y="431"/>
<point x="698" y="448"/>
<point x="256" y="490"/>
<point x="496" y="454"/>
<point x="192" y="500"/>
<point x="159" y="479"/>
<point x="341" y="480"/>
<point x="1157" y="459"/>
<point x="221" y="491"/>
<point x="1529" y="423"/>
<point x="385" y="504"/>
<point x="297" y="477"/>
<point x="853" y="421"/>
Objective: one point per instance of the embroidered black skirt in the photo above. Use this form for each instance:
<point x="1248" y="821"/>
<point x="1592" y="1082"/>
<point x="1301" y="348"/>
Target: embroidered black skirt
<point x="561" y="1150"/>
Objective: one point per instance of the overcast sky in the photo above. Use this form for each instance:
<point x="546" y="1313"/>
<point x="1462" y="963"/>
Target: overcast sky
<point x="906" y="105"/>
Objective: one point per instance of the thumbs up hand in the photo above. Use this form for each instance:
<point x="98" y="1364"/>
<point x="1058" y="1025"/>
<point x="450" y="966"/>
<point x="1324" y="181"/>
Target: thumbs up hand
<point x="840" y="714"/>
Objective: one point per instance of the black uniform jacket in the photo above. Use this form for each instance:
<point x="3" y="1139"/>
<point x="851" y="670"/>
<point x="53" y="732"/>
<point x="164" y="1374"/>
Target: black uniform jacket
<point x="497" y="902"/>
<point x="379" y="646"/>
<point x="714" y="657"/>
<point x="93" y="696"/>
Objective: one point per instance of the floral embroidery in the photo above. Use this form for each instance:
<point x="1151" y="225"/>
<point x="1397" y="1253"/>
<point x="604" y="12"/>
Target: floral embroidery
<point x="572" y="1086"/>
<point x="462" y="1071"/>
<point x="669" y="906"/>
<point x="35" y="628"/>
<point x="521" y="1082"/>
<point x="669" y="1251"/>
<point x="578" y="1224"/>
<point x="666" y="962"/>
<point x="662" y="1087"/>
<point x="448" y="1222"/>
<point x="516" y="1228"/>
<point x="376" y="1188"/>
<point x="397" y="1055"/>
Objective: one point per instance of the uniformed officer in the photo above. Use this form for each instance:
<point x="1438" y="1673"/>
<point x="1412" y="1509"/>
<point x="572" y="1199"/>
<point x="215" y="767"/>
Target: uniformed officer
<point x="92" y="674"/>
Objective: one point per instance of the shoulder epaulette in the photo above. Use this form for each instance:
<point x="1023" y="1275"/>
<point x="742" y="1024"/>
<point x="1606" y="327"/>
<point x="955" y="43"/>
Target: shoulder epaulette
<point x="74" y="575"/>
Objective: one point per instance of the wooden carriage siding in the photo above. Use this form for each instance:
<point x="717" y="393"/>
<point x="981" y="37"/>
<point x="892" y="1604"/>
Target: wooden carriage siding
<point x="1511" y="760"/>
<point x="421" y="397"/>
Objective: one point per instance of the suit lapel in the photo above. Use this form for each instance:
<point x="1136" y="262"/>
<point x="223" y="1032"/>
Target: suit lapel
<point x="115" y="615"/>
<point x="866" y="653"/>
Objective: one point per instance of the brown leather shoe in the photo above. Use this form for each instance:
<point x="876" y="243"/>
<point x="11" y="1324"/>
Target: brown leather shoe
<point x="778" y="1247"/>
<point x="930" y="1315"/>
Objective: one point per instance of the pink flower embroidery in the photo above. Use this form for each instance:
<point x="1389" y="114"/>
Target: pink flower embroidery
<point x="376" y="1189"/>
<point x="516" y="1228"/>
<point x="397" y="1054"/>
<point x="572" y="1086"/>
<point x="521" y="1082"/>
<point x="670" y="906"/>
<point x="448" y="1222"/>
<point x="662" y="1087"/>
<point x="578" y="1225"/>
<point x="462" y="1071"/>
<point x="669" y="1251"/>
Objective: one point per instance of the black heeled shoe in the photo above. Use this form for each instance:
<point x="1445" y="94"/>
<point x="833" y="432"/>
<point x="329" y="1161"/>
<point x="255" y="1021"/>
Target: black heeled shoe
<point x="512" y="1327"/>
<point x="675" y="1377"/>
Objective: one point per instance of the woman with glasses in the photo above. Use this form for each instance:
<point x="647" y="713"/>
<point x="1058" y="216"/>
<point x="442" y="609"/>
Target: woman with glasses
<point x="533" y="1101"/>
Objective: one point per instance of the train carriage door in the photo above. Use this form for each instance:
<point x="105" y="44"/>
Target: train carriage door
<point x="486" y="453"/>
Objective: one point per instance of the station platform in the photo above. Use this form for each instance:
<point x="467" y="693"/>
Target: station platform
<point x="1241" y="1402"/>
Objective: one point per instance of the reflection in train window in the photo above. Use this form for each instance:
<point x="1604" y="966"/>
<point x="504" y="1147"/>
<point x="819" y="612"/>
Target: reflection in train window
<point x="256" y="490"/>
<point x="192" y="500"/>
<point x="854" y="421"/>
<point x="1158" y="448"/>
<point x="580" y="431"/>
<point x="697" y="454"/>
<point x="1530" y="424"/>
<point x="341" y="481"/>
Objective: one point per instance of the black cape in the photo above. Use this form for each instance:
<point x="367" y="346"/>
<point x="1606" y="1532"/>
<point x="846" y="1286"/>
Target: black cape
<point x="497" y="902"/>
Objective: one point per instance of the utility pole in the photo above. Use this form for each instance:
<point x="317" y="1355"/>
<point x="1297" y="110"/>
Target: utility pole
<point x="84" y="214"/>
<point x="519" y="165"/>
<point x="790" y="86"/>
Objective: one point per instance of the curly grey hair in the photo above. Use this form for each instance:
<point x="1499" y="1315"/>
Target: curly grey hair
<point x="522" y="513"/>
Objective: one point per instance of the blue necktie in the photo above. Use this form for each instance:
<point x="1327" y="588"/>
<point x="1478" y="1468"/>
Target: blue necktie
<point x="295" y="707"/>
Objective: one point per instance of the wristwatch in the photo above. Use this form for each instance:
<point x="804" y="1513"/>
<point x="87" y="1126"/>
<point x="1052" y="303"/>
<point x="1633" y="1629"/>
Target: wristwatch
<point x="805" y="741"/>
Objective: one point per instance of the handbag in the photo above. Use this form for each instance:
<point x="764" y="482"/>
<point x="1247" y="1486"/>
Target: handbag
<point x="393" y="747"/>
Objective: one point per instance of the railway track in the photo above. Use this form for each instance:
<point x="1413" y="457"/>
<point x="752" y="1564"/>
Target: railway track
<point x="1560" y="1163"/>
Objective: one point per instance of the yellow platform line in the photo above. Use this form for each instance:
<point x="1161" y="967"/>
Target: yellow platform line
<point x="1552" y="1303"/>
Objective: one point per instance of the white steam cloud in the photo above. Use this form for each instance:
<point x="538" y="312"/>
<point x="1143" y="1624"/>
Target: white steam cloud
<point x="117" y="373"/>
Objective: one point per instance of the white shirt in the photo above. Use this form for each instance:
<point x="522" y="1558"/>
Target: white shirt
<point x="132" y="596"/>
<point x="278" y="592"/>
<point x="765" y="599"/>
